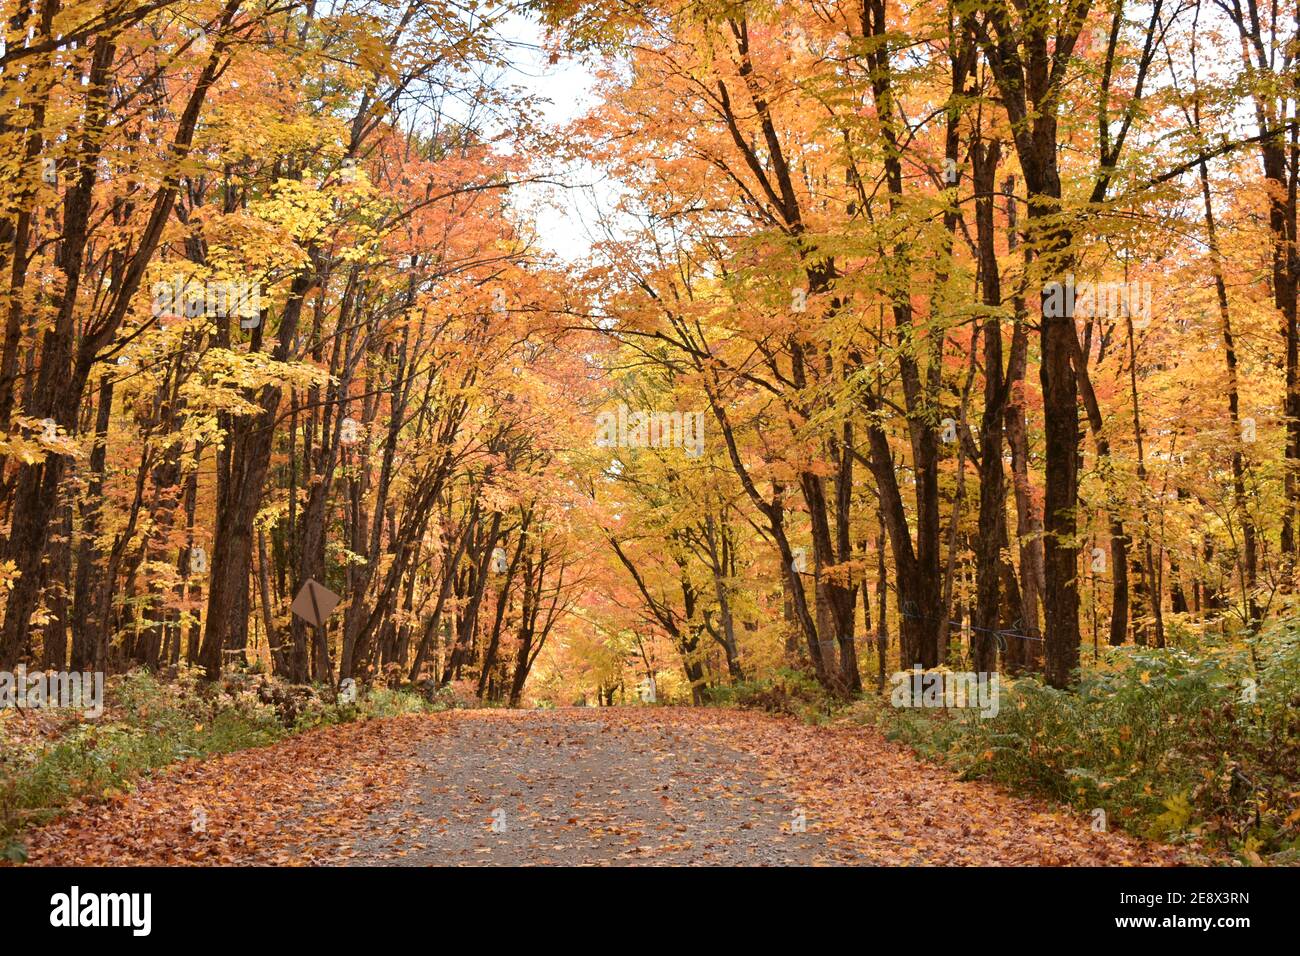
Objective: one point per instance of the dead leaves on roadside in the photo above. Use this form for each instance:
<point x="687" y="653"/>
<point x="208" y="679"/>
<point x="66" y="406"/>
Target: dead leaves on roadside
<point x="293" y="803"/>
<point x="879" y="805"/>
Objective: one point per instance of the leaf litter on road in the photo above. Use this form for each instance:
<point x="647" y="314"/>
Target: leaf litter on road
<point x="578" y="786"/>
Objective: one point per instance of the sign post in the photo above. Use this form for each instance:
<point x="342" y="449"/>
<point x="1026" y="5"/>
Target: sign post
<point x="314" y="604"/>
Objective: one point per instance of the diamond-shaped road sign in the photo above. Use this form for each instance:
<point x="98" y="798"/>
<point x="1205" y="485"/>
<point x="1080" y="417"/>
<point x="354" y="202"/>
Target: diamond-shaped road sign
<point x="314" y="602"/>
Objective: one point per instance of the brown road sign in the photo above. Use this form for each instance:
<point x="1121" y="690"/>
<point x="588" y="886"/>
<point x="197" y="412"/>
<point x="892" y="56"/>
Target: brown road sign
<point x="314" y="602"/>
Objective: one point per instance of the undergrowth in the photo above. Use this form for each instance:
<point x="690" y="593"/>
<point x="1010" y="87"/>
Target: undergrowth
<point x="150" y="723"/>
<point x="1191" y="744"/>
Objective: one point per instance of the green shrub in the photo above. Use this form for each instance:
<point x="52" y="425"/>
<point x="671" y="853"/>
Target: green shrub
<point x="789" y="692"/>
<point x="1173" y="743"/>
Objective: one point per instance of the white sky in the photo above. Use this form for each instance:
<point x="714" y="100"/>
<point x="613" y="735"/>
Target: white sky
<point x="560" y="213"/>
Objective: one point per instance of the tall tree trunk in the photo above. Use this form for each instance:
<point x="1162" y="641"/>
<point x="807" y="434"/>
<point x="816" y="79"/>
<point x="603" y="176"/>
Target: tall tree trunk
<point x="239" y="496"/>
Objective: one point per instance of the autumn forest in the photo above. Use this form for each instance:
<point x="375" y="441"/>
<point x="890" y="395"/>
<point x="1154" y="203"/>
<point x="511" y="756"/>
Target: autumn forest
<point x="754" y="367"/>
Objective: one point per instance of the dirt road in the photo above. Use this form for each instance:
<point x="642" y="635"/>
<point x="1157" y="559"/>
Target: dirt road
<point x="615" y="786"/>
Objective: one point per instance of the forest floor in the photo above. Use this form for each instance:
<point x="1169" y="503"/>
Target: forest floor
<point x="609" y="786"/>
